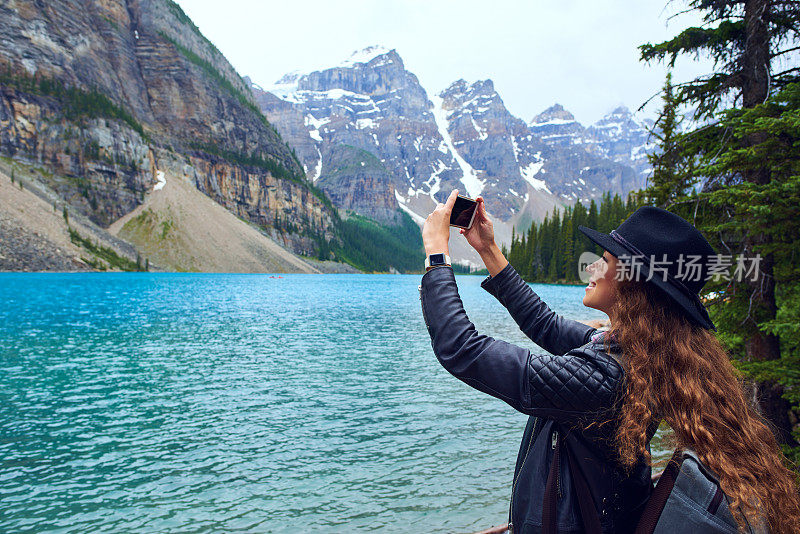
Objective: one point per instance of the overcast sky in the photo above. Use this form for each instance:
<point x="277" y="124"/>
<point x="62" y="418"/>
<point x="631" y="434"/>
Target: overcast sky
<point x="582" y="54"/>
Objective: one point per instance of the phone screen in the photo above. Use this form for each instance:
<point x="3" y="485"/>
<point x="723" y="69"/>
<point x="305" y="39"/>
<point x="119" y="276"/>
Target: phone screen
<point x="462" y="213"/>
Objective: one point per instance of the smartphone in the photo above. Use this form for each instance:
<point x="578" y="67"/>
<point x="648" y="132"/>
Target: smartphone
<point x="463" y="212"/>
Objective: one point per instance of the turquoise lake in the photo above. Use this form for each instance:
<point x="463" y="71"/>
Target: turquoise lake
<point x="211" y="402"/>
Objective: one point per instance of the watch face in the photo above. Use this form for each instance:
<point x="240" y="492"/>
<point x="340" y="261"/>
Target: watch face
<point x="437" y="259"/>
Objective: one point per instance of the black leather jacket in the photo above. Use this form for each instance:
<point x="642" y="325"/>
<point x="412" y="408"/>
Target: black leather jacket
<point x="570" y="393"/>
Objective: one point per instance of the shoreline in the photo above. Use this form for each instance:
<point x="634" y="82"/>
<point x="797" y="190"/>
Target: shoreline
<point x="596" y="323"/>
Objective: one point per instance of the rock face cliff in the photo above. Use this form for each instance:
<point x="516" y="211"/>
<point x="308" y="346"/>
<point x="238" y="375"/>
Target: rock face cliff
<point x="369" y="103"/>
<point x="500" y="153"/>
<point x="105" y="93"/>
<point x="618" y="137"/>
<point x="422" y="146"/>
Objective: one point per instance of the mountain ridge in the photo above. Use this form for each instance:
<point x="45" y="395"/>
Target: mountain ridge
<point x="463" y="137"/>
<point x="105" y="95"/>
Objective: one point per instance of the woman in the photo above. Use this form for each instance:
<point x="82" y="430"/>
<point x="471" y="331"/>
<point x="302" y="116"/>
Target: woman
<point x="601" y="395"/>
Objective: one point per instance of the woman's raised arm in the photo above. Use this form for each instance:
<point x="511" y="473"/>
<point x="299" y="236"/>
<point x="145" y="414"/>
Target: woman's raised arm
<point x="572" y="387"/>
<point x="544" y="327"/>
<point x="554" y="333"/>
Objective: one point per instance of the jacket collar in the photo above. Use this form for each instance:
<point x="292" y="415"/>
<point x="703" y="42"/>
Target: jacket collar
<point x="599" y="338"/>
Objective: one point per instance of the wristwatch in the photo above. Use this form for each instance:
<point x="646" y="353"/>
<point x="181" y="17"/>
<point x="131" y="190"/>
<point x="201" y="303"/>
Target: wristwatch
<point x="434" y="260"/>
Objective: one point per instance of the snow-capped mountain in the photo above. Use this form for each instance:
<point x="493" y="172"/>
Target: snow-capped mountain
<point x="617" y="137"/>
<point x="372" y="138"/>
<point x="621" y="138"/>
<point x="557" y="127"/>
<point x="554" y="154"/>
<point x="368" y="108"/>
<point x="501" y="155"/>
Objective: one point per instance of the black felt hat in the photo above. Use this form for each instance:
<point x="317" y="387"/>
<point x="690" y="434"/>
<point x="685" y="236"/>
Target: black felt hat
<point x="666" y="250"/>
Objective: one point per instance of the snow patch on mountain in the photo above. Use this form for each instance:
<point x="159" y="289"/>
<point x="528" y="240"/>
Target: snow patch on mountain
<point x="364" y="123"/>
<point x="318" y="168"/>
<point x="532" y="169"/>
<point x="553" y="122"/>
<point x="402" y="203"/>
<point x="472" y="184"/>
<point x="364" y="56"/>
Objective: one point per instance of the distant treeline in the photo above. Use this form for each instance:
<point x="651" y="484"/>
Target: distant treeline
<point x="548" y="252"/>
<point x="372" y="247"/>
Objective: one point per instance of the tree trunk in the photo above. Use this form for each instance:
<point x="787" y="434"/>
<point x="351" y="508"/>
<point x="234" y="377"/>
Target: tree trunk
<point x="760" y="346"/>
<point x="755" y="60"/>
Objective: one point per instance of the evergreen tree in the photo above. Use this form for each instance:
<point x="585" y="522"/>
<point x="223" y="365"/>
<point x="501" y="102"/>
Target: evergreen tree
<point x="566" y="247"/>
<point x="549" y="251"/>
<point x="748" y="104"/>
<point x="667" y="182"/>
<point x="591" y="222"/>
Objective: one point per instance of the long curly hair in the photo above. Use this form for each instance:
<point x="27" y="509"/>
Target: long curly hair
<point x="680" y="373"/>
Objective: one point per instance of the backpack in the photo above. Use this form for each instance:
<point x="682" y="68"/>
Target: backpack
<point x="687" y="498"/>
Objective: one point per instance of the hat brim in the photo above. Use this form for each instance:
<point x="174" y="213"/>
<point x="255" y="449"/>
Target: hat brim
<point x="691" y="305"/>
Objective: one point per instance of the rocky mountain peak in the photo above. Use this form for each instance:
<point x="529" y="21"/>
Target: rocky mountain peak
<point x="457" y="87"/>
<point x="373" y="71"/>
<point x="557" y="126"/>
<point x="622" y="138"/>
<point x="461" y="86"/>
<point x="477" y="97"/>
<point x="373" y="56"/>
<point x="555" y="114"/>
<point x="620" y="111"/>
<point x="290" y="78"/>
<point x="618" y="122"/>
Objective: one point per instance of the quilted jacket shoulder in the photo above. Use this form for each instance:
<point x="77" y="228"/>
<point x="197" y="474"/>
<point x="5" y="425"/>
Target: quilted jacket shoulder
<point x="565" y="390"/>
<point x="583" y="382"/>
<point x="576" y="384"/>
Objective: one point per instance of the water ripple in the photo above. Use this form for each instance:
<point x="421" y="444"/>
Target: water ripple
<point x="207" y="403"/>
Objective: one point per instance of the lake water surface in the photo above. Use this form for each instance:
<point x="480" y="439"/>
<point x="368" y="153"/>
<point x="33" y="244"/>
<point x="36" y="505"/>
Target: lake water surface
<point x="208" y="403"/>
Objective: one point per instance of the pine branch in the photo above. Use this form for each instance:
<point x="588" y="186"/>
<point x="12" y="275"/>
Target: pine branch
<point x="786" y="51"/>
<point x="679" y="13"/>
<point x="793" y="69"/>
<point x="721" y="42"/>
<point x="718" y="9"/>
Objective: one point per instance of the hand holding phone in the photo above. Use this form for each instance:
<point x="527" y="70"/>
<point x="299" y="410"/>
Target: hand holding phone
<point x="481" y="237"/>
<point x="463" y="213"/>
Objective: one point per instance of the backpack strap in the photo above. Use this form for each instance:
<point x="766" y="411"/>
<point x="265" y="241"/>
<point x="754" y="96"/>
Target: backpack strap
<point x="591" y="520"/>
<point x="549" y="508"/>
<point x="658" y="499"/>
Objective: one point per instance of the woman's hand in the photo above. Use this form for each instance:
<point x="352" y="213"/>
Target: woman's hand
<point x="481" y="234"/>
<point x="481" y="237"/>
<point x="436" y="231"/>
